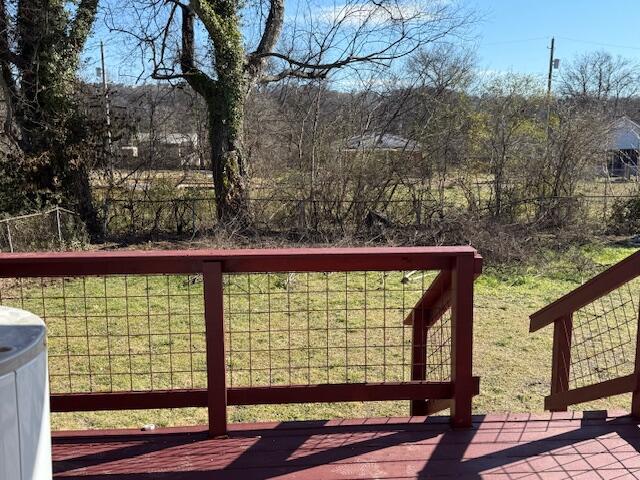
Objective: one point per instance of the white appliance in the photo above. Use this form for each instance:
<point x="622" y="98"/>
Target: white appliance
<point x="25" y="432"/>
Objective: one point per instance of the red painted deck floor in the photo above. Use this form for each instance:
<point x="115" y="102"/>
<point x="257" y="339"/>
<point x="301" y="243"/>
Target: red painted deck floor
<point x="585" y="446"/>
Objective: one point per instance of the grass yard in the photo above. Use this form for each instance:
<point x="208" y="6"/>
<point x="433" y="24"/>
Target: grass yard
<point x="141" y="333"/>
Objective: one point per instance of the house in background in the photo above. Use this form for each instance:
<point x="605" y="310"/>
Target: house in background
<point x="389" y="153"/>
<point x="624" y="145"/>
<point x="383" y="143"/>
<point x="172" y="150"/>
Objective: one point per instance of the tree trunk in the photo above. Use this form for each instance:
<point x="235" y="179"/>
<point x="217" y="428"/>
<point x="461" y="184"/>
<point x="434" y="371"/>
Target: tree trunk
<point x="226" y="98"/>
<point x="40" y="48"/>
<point x="64" y="173"/>
<point x="227" y="166"/>
<point x="77" y="188"/>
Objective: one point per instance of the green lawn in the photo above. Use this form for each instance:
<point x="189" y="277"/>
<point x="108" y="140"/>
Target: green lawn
<point x="293" y="329"/>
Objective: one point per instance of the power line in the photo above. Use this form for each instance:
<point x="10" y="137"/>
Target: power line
<point x="569" y="39"/>
<point x="590" y="42"/>
<point x="522" y="40"/>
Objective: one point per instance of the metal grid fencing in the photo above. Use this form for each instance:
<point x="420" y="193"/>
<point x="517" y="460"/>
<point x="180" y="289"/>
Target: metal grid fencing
<point x="312" y="328"/>
<point x="604" y="337"/>
<point x="438" y="350"/>
<point x="146" y="332"/>
<point x="118" y="333"/>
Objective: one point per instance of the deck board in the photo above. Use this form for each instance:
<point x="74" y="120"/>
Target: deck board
<point x="568" y="445"/>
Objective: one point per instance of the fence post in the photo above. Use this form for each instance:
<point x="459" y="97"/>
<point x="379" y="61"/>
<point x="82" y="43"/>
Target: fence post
<point x="214" y="331"/>
<point x="9" y="238"/>
<point x="419" y="356"/>
<point x="462" y="340"/>
<point x="561" y="356"/>
<point x="58" y="224"/>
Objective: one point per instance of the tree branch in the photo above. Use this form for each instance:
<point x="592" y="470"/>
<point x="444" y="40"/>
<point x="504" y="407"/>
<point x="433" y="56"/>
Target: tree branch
<point x="270" y="36"/>
<point x="196" y="78"/>
<point x="296" y="73"/>
<point x="6" y="54"/>
<point x="82" y="23"/>
<point x="378" y="57"/>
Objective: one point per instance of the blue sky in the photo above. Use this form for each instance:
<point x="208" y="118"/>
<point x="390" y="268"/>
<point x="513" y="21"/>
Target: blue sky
<point x="514" y="34"/>
<point x="511" y="36"/>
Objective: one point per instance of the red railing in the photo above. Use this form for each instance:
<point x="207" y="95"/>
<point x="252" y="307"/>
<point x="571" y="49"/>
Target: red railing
<point x="211" y="328"/>
<point x="595" y="338"/>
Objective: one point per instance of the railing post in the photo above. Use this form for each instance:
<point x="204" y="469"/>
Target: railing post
<point x="462" y="340"/>
<point x="214" y="328"/>
<point x="561" y="356"/>
<point x="419" y="356"/>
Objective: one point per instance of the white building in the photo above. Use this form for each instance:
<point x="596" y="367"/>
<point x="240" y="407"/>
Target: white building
<point x="624" y="145"/>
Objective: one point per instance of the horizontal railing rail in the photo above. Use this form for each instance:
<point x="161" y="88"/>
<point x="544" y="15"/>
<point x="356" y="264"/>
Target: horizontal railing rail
<point x="595" y="340"/>
<point x="603" y="283"/>
<point x="212" y="328"/>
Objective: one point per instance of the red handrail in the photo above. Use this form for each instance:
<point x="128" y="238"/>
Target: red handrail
<point x="607" y="281"/>
<point x="560" y="314"/>
<point x="232" y="261"/>
<point x="437" y="298"/>
<point x="461" y="264"/>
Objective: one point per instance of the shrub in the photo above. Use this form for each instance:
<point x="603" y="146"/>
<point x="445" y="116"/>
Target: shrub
<point x="625" y="218"/>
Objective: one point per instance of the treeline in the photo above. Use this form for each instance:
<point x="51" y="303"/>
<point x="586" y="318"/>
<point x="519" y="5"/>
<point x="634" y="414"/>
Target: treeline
<point x="436" y="147"/>
<point x="331" y="118"/>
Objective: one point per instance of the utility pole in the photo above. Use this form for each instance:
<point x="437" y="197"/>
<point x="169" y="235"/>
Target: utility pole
<point x="107" y="106"/>
<point x="108" y="143"/>
<point x="551" y="51"/>
<point x="549" y="81"/>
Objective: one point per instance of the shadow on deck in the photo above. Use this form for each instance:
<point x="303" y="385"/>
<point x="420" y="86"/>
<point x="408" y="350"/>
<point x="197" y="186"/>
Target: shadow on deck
<point x="559" y="445"/>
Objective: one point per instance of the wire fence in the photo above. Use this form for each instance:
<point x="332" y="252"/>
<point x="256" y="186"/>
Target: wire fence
<point x="118" y="333"/>
<point x="146" y="332"/>
<point x="191" y="216"/>
<point x="53" y="229"/>
<point x="187" y="217"/>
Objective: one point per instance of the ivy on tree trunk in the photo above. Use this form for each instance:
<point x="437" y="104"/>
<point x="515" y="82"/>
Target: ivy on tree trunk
<point x="40" y="50"/>
<point x="225" y="94"/>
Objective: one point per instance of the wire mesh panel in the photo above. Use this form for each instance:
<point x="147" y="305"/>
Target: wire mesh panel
<point x="318" y="328"/>
<point x="146" y="332"/>
<point x="438" y="350"/>
<point x="118" y="333"/>
<point x="604" y="337"/>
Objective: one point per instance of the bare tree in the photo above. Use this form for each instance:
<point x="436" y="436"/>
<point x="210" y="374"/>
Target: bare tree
<point x="574" y="153"/>
<point x="315" y="41"/>
<point x="509" y="137"/>
<point x="600" y="77"/>
<point x="440" y="78"/>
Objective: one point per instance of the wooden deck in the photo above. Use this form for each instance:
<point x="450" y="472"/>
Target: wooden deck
<point x="560" y="445"/>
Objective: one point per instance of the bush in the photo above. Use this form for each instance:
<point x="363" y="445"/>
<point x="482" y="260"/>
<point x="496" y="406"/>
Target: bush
<point x="625" y="219"/>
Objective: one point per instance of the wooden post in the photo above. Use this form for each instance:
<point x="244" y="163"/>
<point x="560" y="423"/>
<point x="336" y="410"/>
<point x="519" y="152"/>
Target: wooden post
<point x="214" y="328"/>
<point x="561" y="357"/>
<point x="419" y="356"/>
<point x="462" y="341"/>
